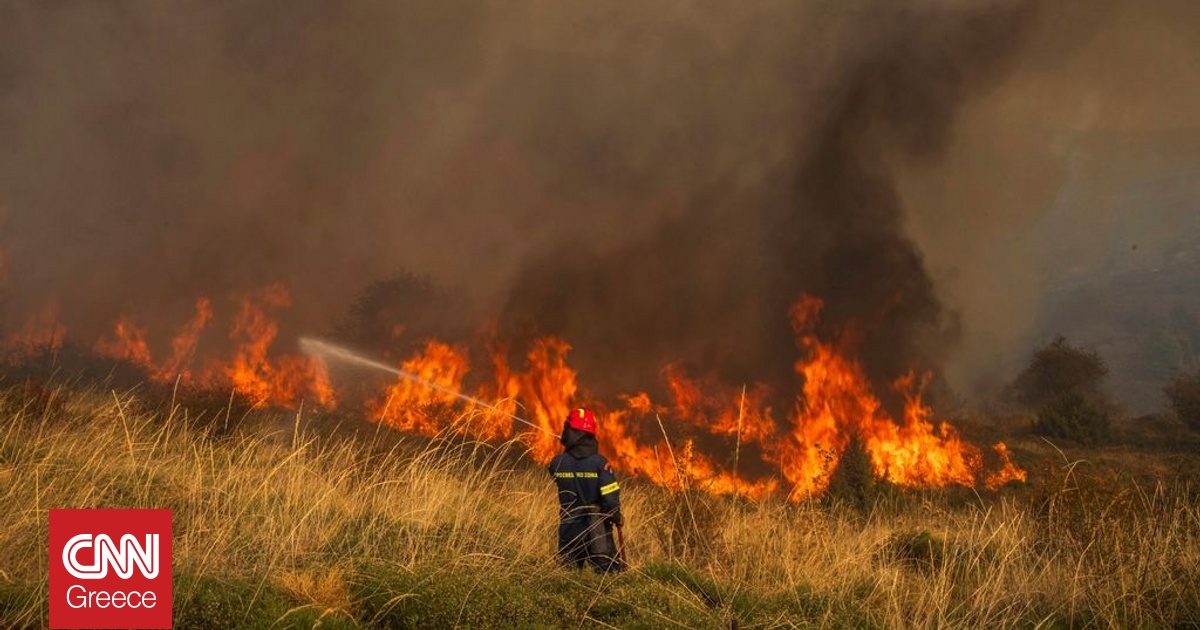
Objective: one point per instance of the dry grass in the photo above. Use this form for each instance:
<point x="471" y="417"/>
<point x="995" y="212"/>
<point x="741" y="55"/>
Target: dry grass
<point x="279" y="524"/>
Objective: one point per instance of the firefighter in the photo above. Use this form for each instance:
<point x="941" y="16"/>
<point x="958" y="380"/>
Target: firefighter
<point x="589" y="499"/>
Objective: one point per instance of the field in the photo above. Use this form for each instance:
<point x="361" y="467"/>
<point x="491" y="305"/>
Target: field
<point x="301" y="520"/>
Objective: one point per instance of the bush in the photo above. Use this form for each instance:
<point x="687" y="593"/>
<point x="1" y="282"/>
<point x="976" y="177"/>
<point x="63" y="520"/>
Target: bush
<point x="919" y="550"/>
<point x="1071" y="416"/>
<point x="1057" y="369"/>
<point x="854" y="483"/>
<point x="1184" y="394"/>
<point x="1064" y="385"/>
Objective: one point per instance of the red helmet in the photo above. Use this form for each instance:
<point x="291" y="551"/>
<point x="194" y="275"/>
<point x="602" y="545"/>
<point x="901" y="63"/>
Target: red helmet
<point x="582" y="419"/>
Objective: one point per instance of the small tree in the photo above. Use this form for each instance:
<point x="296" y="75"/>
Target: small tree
<point x="854" y="482"/>
<point x="1064" y="385"/>
<point x="1184" y="394"/>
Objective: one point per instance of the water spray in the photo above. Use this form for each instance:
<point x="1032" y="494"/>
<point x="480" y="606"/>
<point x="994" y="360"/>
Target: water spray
<point x="326" y="351"/>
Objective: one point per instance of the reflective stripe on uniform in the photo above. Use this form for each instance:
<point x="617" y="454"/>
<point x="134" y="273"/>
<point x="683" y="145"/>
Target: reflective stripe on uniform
<point x="609" y="489"/>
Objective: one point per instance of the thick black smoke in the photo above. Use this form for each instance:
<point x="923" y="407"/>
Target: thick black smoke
<point x="712" y="287"/>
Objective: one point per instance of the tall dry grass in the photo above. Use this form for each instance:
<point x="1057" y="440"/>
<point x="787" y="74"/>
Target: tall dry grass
<point x="339" y="528"/>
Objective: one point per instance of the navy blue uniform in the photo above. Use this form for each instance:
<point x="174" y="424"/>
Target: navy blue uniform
<point x="589" y="504"/>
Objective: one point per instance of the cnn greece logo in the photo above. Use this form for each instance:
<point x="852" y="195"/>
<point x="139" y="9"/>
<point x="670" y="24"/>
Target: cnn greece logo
<point x="108" y="554"/>
<point x="113" y="568"/>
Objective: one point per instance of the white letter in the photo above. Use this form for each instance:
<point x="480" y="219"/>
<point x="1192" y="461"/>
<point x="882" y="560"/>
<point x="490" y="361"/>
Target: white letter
<point x="82" y="598"/>
<point x="145" y="557"/>
<point x="94" y="571"/>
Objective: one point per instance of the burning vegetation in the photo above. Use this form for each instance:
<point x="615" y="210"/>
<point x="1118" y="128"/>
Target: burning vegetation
<point x="768" y="205"/>
<point x="700" y="434"/>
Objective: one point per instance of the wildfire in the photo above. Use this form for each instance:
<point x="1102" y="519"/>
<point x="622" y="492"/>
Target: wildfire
<point x="183" y="346"/>
<point x="282" y="381"/>
<point x="412" y="406"/>
<point x="835" y="405"/>
<point x="42" y="331"/>
<point x="128" y="343"/>
<point x="1008" y="472"/>
<point x="705" y="435"/>
<point x="837" y="402"/>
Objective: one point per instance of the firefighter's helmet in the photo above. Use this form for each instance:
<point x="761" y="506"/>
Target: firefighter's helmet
<point x="582" y="419"/>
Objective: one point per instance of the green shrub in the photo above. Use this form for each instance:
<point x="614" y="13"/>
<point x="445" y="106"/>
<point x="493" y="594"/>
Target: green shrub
<point x="1057" y="369"/>
<point x="539" y="596"/>
<point x="735" y="606"/>
<point x="1063" y="384"/>
<point x="1072" y="416"/>
<point x="854" y="483"/>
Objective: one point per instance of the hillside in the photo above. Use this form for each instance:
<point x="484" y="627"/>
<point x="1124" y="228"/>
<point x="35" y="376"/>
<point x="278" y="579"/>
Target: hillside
<point x="301" y="520"/>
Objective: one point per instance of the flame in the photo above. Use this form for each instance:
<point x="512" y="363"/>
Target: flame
<point x="837" y="400"/>
<point x="496" y="423"/>
<point x="1009" y="472"/>
<point x="183" y="346"/>
<point x="706" y="435"/>
<point x="128" y="343"/>
<point x="916" y="453"/>
<point x="836" y="403"/>
<point x="412" y="406"/>
<point x="43" y="331"/>
<point x="283" y="382"/>
<point x="548" y="388"/>
<point x="742" y="414"/>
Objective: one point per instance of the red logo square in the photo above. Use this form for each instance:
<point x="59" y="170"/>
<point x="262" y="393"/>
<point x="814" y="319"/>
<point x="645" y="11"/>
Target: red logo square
<point x="110" y="568"/>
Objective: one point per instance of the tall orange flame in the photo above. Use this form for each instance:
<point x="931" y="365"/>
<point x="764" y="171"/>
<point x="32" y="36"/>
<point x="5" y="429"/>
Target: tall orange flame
<point x="128" y="343"/>
<point x="283" y="382"/>
<point x="707" y="435"/>
<point x="836" y="403"/>
<point x="183" y="346"/>
<point x="412" y="406"/>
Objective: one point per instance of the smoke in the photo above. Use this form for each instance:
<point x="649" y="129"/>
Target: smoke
<point x="1078" y="162"/>
<point x="712" y="287"/>
<point x="656" y="183"/>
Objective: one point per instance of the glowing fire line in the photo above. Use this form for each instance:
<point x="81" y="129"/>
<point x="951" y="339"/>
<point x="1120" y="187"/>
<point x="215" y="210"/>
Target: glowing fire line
<point x="326" y="350"/>
<point x="803" y="444"/>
